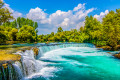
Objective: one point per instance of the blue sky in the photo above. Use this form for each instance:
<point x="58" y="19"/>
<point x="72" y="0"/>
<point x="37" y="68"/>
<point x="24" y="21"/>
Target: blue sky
<point x="69" y="14"/>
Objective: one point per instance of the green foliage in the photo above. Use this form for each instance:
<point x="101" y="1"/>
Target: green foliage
<point x="21" y="29"/>
<point x="20" y="21"/>
<point x="13" y="34"/>
<point x="2" y="37"/>
<point x="60" y="29"/>
<point x="93" y="28"/>
<point x="111" y="24"/>
<point x="5" y="14"/>
<point x="26" y="33"/>
<point x="69" y="36"/>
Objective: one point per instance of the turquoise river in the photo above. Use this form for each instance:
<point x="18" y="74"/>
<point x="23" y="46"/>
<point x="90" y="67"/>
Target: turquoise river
<point x="68" y="62"/>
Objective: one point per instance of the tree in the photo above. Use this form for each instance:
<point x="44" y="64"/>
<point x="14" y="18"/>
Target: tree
<point x="93" y="28"/>
<point x="52" y="33"/>
<point x="26" y="33"/>
<point x="35" y="25"/>
<point x="60" y="29"/>
<point x="23" y="21"/>
<point x="3" y="37"/>
<point x="13" y="34"/>
<point x="5" y="14"/>
<point x="19" y="22"/>
<point x="111" y="23"/>
<point x="81" y="29"/>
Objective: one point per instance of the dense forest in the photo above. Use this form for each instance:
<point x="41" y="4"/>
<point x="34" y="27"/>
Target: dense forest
<point x="99" y="33"/>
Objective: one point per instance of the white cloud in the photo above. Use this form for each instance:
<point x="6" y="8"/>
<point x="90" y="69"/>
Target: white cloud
<point x="102" y="14"/>
<point x="15" y="13"/>
<point x="80" y="6"/>
<point x="65" y="22"/>
<point x="36" y="14"/>
<point x="66" y="19"/>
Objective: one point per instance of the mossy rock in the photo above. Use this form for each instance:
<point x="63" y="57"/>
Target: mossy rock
<point x="117" y="55"/>
<point x="36" y="50"/>
<point x="9" y="57"/>
<point x="23" y="49"/>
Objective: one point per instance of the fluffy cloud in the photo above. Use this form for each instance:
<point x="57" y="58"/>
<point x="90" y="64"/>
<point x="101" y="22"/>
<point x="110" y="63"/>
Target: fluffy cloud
<point x="102" y="14"/>
<point x="36" y="14"/>
<point x="15" y="13"/>
<point x="80" y="6"/>
<point x="66" y="19"/>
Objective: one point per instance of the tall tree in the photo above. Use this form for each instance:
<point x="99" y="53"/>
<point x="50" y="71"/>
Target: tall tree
<point x="5" y="14"/>
<point x="111" y="23"/>
<point x="93" y="28"/>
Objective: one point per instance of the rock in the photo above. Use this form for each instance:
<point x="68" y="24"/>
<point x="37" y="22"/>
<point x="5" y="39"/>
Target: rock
<point x="117" y="47"/>
<point x="117" y="55"/>
<point x="5" y="65"/>
<point x="106" y="48"/>
<point x="109" y="52"/>
<point x="35" y="42"/>
<point x="47" y="42"/>
<point x="36" y="50"/>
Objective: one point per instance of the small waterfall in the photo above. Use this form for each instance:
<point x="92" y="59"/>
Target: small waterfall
<point x="11" y="72"/>
<point x="18" y="71"/>
<point x="30" y="63"/>
<point x="44" y="49"/>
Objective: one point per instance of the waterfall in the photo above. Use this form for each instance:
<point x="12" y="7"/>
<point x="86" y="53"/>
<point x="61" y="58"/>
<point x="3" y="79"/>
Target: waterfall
<point x="18" y="71"/>
<point x="46" y="48"/>
<point x="11" y="72"/>
<point x="30" y="64"/>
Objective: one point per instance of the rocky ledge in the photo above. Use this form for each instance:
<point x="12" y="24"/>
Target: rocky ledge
<point x="7" y="56"/>
<point x="108" y="48"/>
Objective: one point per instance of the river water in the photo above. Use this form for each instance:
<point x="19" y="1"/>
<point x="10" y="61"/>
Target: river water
<point x="65" y="62"/>
<point x="77" y="63"/>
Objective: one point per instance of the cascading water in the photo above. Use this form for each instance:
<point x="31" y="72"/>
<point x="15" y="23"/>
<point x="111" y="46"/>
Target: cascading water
<point x="11" y="72"/>
<point x="65" y="62"/>
<point x="45" y="49"/>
